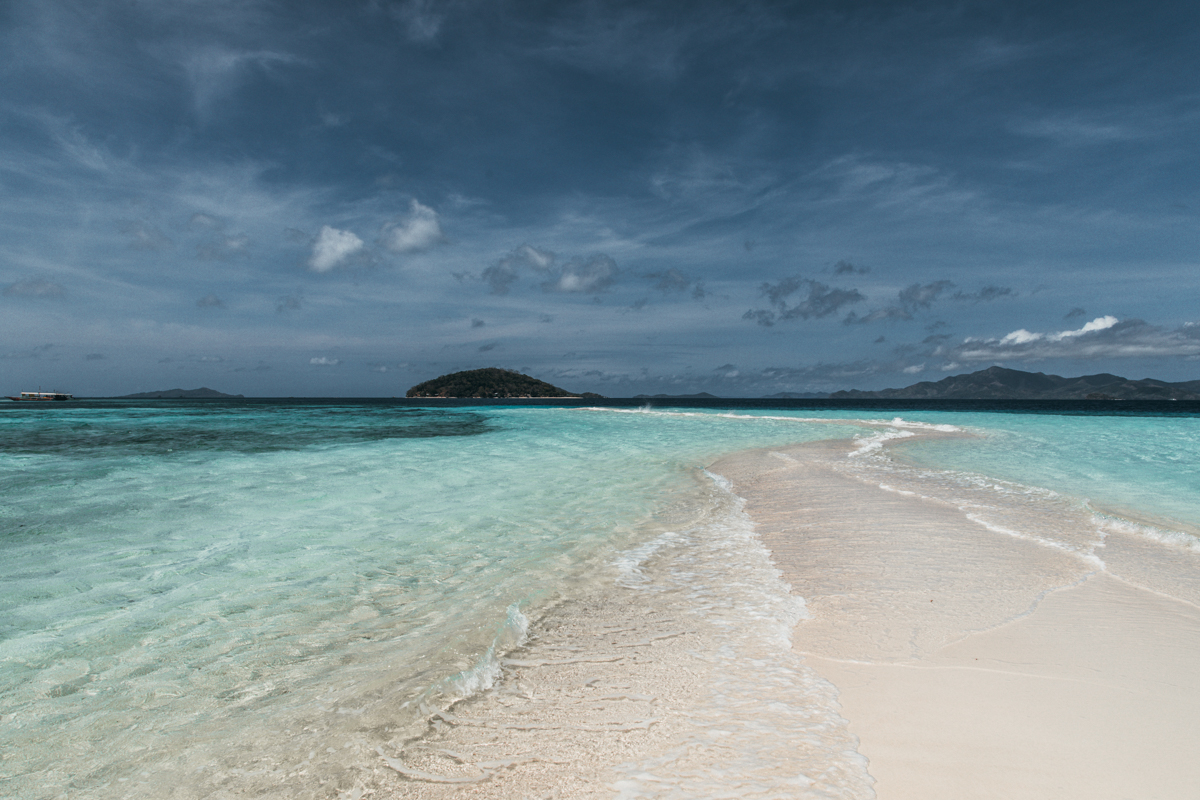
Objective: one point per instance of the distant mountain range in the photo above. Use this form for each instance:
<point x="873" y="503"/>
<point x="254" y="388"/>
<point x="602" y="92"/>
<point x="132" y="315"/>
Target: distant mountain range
<point x="698" y="396"/>
<point x="993" y="383"/>
<point x="203" y="393"/>
<point x="796" y="396"/>
<point x="998" y="383"/>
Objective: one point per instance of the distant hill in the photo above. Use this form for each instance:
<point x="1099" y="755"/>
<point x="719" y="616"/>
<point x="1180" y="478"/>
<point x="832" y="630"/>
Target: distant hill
<point x="797" y="396"/>
<point x="998" y="383"/>
<point x="202" y="393"/>
<point x="490" y="383"/>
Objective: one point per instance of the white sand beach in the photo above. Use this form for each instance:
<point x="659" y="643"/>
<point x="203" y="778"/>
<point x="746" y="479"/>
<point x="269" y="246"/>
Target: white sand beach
<point x="973" y="664"/>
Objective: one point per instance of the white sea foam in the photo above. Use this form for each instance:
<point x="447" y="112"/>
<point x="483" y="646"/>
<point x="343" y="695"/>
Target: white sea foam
<point x="1179" y="539"/>
<point x="872" y="444"/>
<point x="482" y="675"/>
<point x="733" y="744"/>
<point x="630" y="561"/>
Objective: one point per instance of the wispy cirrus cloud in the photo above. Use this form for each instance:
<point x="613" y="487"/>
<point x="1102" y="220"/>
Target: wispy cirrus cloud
<point x="143" y="236"/>
<point x="36" y="288"/>
<point x="214" y="71"/>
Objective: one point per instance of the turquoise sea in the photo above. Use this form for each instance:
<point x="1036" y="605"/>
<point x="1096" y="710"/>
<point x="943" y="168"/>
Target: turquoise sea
<point x="192" y="589"/>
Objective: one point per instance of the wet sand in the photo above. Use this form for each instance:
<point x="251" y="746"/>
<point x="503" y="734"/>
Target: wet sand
<point x="974" y="664"/>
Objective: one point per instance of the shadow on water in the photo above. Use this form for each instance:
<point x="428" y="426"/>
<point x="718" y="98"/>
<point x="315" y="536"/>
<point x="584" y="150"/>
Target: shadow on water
<point x="93" y="428"/>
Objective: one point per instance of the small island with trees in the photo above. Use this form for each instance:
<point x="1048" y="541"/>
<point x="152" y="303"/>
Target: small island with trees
<point x="491" y="382"/>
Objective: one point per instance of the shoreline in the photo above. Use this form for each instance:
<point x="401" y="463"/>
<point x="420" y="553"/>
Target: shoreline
<point x="651" y="685"/>
<point x="974" y="664"/>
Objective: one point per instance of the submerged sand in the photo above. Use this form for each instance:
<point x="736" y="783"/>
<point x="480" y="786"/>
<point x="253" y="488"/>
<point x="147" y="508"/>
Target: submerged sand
<point x="983" y="660"/>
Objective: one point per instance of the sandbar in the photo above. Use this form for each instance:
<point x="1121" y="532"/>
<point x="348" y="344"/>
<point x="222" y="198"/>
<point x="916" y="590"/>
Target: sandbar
<point x="973" y="664"/>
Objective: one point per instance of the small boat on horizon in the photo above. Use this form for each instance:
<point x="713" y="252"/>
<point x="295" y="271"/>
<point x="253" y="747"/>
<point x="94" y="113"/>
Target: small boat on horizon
<point x="42" y="396"/>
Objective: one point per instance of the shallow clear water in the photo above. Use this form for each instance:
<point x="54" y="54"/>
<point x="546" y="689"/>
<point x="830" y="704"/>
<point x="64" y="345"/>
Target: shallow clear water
<point x="181" y="579"/>
<point x="1147" y="464"/>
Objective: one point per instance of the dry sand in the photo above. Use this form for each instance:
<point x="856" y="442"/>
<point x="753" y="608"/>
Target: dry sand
<point x="972" y="664"/>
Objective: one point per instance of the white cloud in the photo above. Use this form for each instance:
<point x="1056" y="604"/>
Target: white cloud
<point x="1023" y="336"/>
<point x="419" y="230"/>
<point x="540" y="260"/>
<point x="322" y="361"/>
<point x="585" y="276"/>
<point x="332" y="247"/>
<point x="1103" y="337"/>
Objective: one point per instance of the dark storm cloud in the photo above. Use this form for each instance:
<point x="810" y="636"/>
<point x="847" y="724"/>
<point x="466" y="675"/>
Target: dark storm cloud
<point x="500" y="277"/>
<point x="987" y="294"/>
<point x="913" y="298"/>
<point x="846" y="268"/>
<point x="507" y="271"/>
<point x="670" y="280"/>
<point x="1075" y="313"/>
<point x="820" y="301"/>
<point x="917" y="296"/>
<point x="673" y="280"/>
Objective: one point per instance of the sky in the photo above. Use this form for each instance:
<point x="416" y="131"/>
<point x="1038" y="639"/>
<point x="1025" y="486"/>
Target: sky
<point x="344" y="199"/>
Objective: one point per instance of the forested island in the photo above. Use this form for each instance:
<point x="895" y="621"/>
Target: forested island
<point x="491" y="382"/>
